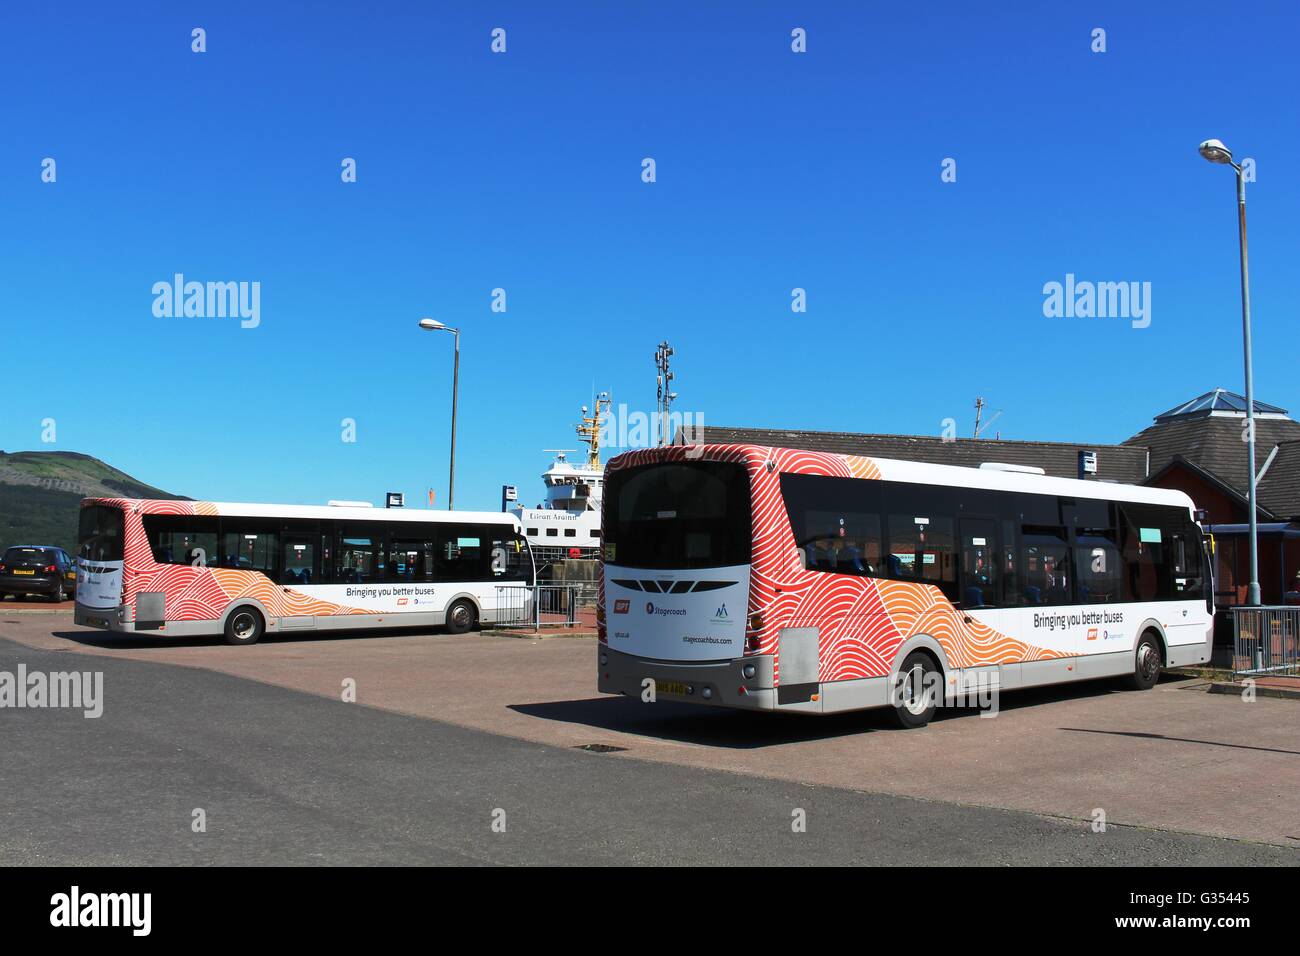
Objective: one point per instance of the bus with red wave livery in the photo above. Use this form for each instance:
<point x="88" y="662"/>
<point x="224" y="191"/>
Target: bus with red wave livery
<point x="777" y="579"/>
<point x="187" y="568"/>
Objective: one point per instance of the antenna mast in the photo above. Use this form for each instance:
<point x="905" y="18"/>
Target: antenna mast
<point x="589" y="430"/>
<point x="664" y="392"/>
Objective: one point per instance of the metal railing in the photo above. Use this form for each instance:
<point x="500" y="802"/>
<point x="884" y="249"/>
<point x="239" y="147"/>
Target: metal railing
<point x="542" y="604"/>
<point x="1266" y="641"/>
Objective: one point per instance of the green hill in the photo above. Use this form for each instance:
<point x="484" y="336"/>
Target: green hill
<point x="40" y="492"/>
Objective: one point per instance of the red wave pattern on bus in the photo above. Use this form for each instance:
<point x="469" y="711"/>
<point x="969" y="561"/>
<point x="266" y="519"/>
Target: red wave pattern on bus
<point x="197" y="593"/>
<point x="862" y="621"/>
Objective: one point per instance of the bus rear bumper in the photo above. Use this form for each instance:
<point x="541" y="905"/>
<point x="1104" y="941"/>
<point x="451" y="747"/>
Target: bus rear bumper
<point x="104" y="618"/>
<point x="713" y="683"/>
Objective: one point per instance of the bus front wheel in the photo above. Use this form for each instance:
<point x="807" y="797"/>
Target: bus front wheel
<point x="915" y="692"/>
<point x="461" y="616"/>
<point x="1147" y="662"/>
<point x="244" y="626"/>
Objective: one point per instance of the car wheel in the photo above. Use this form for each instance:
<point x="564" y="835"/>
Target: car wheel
<point x="914" y="695"/>
<point x="244" y="626"/>
<point x="461" y="616"/>
<point x="1147" y="661"/>
<point x="59" y="595"/>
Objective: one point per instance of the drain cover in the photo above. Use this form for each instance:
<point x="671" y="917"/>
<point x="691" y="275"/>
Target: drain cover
<point x="599" y="748"/>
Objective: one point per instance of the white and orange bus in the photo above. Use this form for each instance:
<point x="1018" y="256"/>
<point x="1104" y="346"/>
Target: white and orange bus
<point x="184" y="568"/>
<point x="775" y="579"/>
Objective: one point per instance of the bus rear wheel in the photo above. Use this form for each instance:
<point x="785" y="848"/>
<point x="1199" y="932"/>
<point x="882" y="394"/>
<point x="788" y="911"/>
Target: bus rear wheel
<point x="914" y="696"/>
<point x="461" y="616"/>
<point x="1147" y="662"/>
<point x="244" y="626"/>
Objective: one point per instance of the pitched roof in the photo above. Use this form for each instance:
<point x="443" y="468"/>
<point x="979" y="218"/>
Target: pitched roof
<point x="1279" y="490"/>
<point x="1214" y="444"/>
<point x="1061" y="459"/>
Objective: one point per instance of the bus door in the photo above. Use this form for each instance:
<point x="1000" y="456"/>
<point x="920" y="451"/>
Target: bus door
<point x="978" y="587"/>
<point x="298" y="569"/>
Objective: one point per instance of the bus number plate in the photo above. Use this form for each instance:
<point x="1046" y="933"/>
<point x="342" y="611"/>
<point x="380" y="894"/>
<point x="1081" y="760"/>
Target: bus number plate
<point x="670" y="687"/>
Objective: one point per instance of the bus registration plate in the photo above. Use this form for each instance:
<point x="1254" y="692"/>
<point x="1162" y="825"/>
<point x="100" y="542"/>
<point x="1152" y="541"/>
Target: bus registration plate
<point x="670" y="687"/>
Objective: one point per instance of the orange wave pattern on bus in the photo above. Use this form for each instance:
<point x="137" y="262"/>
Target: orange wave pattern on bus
<point x="862" y="621"/>
<point x="197" y="593"/>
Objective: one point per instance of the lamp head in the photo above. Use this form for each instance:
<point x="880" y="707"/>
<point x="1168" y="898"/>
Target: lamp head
<point x="1214" y="151"/>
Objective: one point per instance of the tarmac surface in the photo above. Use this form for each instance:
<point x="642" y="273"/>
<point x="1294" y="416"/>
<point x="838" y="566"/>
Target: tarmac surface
<point x="449" y="734"/>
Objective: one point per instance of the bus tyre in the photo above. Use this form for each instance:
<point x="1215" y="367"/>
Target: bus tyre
<point x="915" y="694"/>
<point x="461" y="616"/>
<point x="244" y="626"/>
<point x="1147" y="662"/>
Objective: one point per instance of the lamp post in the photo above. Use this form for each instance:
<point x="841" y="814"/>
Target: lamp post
<point x="1215" y="152"/>
<point x="433" y="325"/>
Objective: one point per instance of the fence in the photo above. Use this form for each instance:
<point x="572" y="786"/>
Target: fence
<point x="1266" y="641"/>
<point x="550" y="604"/>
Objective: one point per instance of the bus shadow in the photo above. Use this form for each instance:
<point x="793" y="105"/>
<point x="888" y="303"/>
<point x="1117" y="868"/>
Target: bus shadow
<point x="700" y="724"/>
<point x="116" y="640"/>
<point x="750" y="730"/>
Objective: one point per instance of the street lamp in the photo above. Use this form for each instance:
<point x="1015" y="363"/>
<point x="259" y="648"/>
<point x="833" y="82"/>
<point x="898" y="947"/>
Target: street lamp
<point x="433" y="325"/>
<point x="1215" y="152"/>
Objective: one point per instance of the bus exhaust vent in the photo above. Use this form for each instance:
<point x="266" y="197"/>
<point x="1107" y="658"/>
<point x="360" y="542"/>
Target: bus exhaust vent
<point x="1019" y="469"/>
<point x="600" y="748"/>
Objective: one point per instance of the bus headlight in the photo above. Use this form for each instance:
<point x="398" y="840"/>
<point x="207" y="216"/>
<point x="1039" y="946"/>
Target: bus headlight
<point x="755" y="621"/>
<point x="706" y="693"/>
<point x="749" y="670"/>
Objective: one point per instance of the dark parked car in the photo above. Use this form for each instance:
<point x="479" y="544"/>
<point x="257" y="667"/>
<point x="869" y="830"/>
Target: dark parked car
<point x="36" y="569"/>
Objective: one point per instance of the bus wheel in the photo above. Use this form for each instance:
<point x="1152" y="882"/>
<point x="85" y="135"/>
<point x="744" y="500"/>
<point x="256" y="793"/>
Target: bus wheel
<point x="914" y="698"/>
<point x="461" y="616"/>
<point x="1147" y="662"/>
<point x="244" y="626"/>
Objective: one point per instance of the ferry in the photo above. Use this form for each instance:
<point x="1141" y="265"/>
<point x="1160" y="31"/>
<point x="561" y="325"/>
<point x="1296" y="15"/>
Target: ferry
<point x="567" y="523"/>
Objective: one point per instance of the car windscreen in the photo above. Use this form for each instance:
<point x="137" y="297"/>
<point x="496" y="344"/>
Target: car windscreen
<point x="41" y="556"/>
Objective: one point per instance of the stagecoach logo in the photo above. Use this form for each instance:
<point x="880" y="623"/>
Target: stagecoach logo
<point x="720" y="616"/>
<point x="674" y="611"/>
<point x="621" y="606"/>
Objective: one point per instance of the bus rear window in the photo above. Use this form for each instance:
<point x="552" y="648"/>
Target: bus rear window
<point x="678" y="515"/>
<point x="100" y="533"/>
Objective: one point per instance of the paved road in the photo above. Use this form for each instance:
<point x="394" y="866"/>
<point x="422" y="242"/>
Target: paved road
<point x="1173" y="758"/>
<point x="290" y="777"/>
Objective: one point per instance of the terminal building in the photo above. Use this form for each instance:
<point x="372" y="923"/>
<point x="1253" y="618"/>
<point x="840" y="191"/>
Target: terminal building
<point x="1197" y="447"/>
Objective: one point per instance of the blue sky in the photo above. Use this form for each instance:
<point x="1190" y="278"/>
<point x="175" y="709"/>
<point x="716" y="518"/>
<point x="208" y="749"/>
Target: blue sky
<point x="522" y="171"/>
